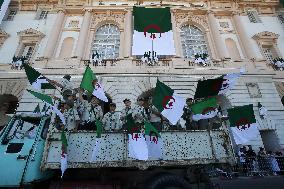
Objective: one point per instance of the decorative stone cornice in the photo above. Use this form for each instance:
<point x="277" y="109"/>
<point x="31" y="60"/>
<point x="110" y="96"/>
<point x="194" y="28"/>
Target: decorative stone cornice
<point x="30" y="35"/>
<point x="3" y="37"/>
<point x="182" y="19"/>
<point x="266" y="35"/>
<point x="100" y="18"/>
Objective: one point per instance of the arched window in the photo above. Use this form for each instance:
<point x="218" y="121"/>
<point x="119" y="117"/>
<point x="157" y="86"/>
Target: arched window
<point x="106" y="41"/>
<point x="192" y="41"/>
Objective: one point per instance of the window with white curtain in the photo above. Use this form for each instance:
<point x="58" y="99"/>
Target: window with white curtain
<point x="192" y="41"/>
<point x="106" y="41"/>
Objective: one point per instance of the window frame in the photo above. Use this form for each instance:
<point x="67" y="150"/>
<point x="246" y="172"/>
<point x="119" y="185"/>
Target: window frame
<point x="99" y="41"/>
<point x="201" y="37"/>
<point x="253" y="16"/>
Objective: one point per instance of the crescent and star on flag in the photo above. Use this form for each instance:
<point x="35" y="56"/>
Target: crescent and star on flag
<point x="168" y="102"/>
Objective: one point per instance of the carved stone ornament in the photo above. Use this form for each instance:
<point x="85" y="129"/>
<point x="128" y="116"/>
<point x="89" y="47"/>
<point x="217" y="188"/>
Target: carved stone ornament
<point x="253" y="89"/>
<point x="31" y="35"/>
<point x="100" y="19"/>
<point x="3" y="37"/>
<point x="266" y="35"/>
<point x="184" y="18"/>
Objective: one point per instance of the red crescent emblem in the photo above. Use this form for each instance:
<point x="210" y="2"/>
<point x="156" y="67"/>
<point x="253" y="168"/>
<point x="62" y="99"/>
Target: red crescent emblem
<point x="154" y="26"/>
<point x="167" y="103"/>
<point x="242" y="122"/>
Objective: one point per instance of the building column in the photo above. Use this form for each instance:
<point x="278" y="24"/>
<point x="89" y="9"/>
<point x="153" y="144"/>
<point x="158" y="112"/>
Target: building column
<point x="219" y="43"/>
<point x="54" y="35"/>
<point x="245" y="40"/>
<point x="128" y="35"/>
<point x="176" y="33"/>
<point x="81" y="43"/>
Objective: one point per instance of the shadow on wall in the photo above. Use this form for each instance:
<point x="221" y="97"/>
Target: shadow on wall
<point x="8" y="105"/>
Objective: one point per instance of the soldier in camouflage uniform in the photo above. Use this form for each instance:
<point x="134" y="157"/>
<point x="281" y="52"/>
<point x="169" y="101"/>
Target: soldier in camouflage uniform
<point x="139" y="113"/>
<point x="111" y="119"/>
<point x="126" y="111"/>
<point x="187" y="115"/>
<point x="71" y="116"/>
<point x="91" y="111"/>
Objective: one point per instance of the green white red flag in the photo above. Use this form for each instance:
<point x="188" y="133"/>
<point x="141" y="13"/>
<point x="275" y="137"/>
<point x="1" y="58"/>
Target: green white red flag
<point x="64" y="145"/>
<point x="168" y="102"/>
<point x="152" y="26"/>
<point x="205" y="109"/>
<point x="243" y="123"/>
<point x="88" y="84"/>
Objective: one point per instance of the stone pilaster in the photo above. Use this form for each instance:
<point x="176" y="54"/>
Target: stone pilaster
<point x="54" y="35"/>
<point x="219" y="43"/>
<point x="128" y="24"/>
<point x="245" y="40"/>
<point x="81" y="43"/>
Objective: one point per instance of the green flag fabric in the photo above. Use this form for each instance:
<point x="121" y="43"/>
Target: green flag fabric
<point x="152" y="25"/>
<point x="168" y="102"/>
<point x="144" y="17"/>
<point x="241" y="115"/>
<point x="99" y="126"/>
<point x="87" y="80"/>
<point x="35" y="78"/>
<point x="150" y="129"/>
<point x="64" y="146"/>
<point x="47" y="99"/>
<point x="42" y="97"/>
<point x="243" y="123"/>
<point x="130" y="125"/>
<point x="205" y="109"/>
<point x="161" y="92"/>
<point x="87" y="84"/>
<point x="208" y="88"/>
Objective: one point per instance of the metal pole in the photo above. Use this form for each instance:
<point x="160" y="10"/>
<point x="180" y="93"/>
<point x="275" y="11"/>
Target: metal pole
<point x="152" y="59"/>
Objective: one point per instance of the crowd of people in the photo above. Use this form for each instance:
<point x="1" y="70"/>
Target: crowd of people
<point x="81" y="110"/>
<point x="18" y="62"/>
<point x="261" y="163"/>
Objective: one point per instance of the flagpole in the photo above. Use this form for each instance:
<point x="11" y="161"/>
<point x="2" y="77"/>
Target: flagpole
<point x="152" y="51"/>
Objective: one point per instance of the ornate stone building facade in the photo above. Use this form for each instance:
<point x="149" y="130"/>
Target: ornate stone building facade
<point x="59" y="36"/>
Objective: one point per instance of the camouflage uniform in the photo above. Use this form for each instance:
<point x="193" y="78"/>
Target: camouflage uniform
<point x="111" y="121"/>
<point x="91" y="112"/>
<point x="124" y="113"/>
<point x="139" y="115"/>
<point x="71" y="117"/>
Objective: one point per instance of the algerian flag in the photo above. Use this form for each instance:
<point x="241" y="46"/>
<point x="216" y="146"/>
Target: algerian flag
<point x="217" y="86"/>
<point x="229" y="81"/>
<point x="64" y="164"/>
<point x="243" y="123"/>
<point x="154" y="141"/>
<point x="47" y="99"/>
<point x="137" y="146"/>
<point x="87" y="84"/>
<point x="37" y="80"/>
<point x="97" y="147"/>
<point x="169" y="103"/>
<point x="37" y="109"/>
<point x="205" y="109"/>
<point x="152" y="26"/>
